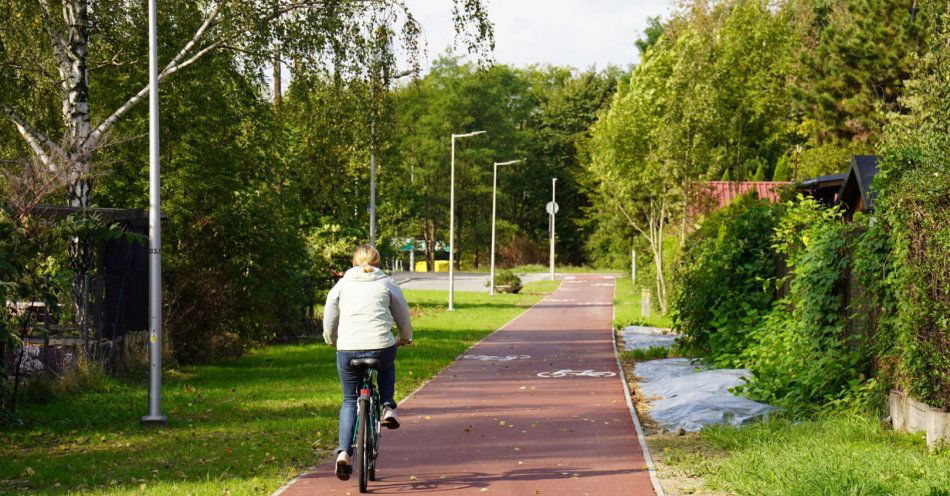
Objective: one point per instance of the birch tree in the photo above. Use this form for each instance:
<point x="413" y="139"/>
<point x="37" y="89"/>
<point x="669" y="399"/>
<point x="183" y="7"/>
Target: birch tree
<point x="49" y="50"/>
<point x="633" y="179"/>
<point x="51" y="42"/>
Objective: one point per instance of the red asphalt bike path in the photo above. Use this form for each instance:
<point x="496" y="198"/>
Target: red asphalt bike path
<point x="535" y="409"/>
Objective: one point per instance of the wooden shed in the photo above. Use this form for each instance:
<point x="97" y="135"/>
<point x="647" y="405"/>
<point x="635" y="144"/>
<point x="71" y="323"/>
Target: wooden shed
<point x="856" y="194"/>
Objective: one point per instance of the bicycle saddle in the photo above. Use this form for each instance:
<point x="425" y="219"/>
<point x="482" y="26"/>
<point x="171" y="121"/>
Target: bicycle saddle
<point x="370" y="363"/>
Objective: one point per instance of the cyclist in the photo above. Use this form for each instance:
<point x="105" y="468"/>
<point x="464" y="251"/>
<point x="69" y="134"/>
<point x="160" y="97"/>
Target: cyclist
<point x="358" y="319"/>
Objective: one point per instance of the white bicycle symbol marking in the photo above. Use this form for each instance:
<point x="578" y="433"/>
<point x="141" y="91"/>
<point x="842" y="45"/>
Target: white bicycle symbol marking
<point x="488" y="358"/>
<point x="576" y="373"/>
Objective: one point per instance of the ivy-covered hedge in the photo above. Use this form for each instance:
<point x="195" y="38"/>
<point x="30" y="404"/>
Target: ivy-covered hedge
<point x="802" y="355"/>
<point x="723" y="280"/>
<point x="825" y="313"/>
<point x="915" y="214"/>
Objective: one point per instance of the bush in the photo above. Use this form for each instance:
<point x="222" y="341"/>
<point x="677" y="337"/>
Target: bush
<point x="916" y="217"/>
<point x="802" y="356"/>
<point x="723" y="280"/>
<point x="913" y="208"/>
<point x="507" y="282"/>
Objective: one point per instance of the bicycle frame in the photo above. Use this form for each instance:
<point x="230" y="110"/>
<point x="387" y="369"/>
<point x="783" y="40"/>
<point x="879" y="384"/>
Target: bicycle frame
<point x="369" y="395"/>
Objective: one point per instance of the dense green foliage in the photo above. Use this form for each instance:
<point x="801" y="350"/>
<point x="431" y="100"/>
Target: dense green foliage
<point x="800" y="353"/>
<point x="748" y="90"/>
<point x="914" y="228"/>
<point x="261" y="198"/>
<point x="824" y="313"/>
<point x="723" y="281"/>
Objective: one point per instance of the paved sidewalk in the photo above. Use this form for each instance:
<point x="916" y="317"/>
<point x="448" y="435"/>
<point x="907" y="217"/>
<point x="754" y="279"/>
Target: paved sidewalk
<point x="535" y="409"/>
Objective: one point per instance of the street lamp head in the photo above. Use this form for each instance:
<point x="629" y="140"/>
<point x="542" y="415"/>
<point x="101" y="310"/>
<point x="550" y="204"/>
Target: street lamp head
<point x="466" y="135"/>
<point x="510" y="162"/>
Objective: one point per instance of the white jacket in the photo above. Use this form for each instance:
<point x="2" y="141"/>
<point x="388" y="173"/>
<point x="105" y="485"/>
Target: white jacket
<point x="361" y="309"/>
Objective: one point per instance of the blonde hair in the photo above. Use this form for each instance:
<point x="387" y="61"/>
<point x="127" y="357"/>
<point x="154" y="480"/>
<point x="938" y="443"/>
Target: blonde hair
<point x="366" y="257"/>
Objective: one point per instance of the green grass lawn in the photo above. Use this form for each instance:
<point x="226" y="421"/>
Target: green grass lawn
<point x="627" y="307"/>
<point x="241" y="427"/>
<point x="840" y="455"/>
<point x="544" y="269"/>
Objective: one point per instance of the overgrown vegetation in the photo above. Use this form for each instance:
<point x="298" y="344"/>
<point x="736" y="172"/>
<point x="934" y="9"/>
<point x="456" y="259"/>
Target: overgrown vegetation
<point x="814" y="309"/>
<point x="828" y="312"/>
<point x="743" y="90"/>
<point x="723" y="280"/>
<point x="800" y="353"/>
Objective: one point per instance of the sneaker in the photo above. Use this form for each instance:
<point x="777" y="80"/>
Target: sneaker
<point x="390" y="420"/>
<point x="343" y="466"/>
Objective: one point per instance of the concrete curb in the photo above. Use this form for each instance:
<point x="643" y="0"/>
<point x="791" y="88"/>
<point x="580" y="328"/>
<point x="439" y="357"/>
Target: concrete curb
<point x="641" y="437"/>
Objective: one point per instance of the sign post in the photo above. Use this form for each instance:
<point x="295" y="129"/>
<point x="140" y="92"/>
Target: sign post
<point x="552" y="209"/>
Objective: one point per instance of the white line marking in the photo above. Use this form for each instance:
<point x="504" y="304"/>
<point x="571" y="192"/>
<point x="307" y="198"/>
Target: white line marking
<point x="575" y="373"/>
<point x="651" y="467"/>
<point x="495" y="358"/>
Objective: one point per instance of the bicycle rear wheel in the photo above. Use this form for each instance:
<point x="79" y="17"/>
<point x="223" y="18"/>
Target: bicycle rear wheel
<point x="363" y="449"/>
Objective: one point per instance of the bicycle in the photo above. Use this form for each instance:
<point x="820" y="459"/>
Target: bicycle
<point x="368" y="422"/>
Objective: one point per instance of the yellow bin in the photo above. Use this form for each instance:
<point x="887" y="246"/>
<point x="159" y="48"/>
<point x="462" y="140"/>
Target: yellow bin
<point x="421" y="266"/>
<point x="441" y="265"/>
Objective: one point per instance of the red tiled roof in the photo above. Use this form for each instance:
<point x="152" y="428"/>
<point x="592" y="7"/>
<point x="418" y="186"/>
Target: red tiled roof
<point x="713" y="195"/>
<point x="725" y="191"/>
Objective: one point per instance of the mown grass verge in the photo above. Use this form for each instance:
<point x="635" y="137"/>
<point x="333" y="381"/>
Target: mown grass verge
<point x="236" y="428"/>
<point x="839" y="455"/>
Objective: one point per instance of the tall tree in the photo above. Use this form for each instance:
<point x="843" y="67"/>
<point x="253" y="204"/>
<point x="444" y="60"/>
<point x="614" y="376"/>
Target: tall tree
<point x="633" y="179"/>
<point x="339" y="31"/>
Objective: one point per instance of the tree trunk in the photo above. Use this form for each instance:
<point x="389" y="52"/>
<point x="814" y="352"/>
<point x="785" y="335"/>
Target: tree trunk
<point x="278" y="92"/>
<point x="79" y="148"/>
<point x="430" y="245"/>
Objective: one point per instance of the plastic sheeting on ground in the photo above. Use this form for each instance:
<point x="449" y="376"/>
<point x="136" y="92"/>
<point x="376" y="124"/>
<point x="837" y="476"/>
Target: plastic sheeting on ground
<point x="688" y="396"/>
<point x="642" y="337"/>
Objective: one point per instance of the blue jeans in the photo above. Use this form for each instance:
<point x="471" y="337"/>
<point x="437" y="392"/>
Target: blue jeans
<point x="351" y="379"/>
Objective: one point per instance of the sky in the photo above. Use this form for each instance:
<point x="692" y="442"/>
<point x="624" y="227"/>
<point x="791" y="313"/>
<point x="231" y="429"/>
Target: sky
<point x="576" y="33"/>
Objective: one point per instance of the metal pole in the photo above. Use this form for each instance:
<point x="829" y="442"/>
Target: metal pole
<point x="154" y="416"/>
<point x="633" y="267"/>
<point x="494" y="208"/>
<point x="553" y="189"/>
<point x="452" y="232"/>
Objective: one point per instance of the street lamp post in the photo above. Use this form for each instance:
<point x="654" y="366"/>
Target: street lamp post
<point x="553" y="212"/>
<point x="494" y="204"/>
<point x="452" y="221"/>
<point x="154" y="416"/>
